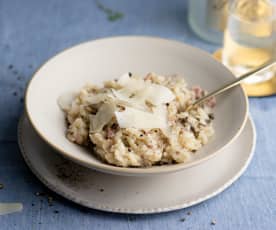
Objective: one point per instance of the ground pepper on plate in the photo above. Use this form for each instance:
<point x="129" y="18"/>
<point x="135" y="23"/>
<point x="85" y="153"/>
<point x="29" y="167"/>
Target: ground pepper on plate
<point x="50" y="199"/>
<point x="40" y="194"/>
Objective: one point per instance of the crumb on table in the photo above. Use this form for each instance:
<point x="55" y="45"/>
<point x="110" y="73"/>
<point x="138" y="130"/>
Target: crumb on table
<point x="213" y="222"/>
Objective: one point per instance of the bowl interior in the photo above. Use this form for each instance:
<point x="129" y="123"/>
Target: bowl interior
<point x="105" y="59"/>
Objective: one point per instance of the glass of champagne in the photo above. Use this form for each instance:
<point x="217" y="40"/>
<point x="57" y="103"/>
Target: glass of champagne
<point x="250" y="38"/>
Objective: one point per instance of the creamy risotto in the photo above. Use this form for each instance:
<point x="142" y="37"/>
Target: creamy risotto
<point x="139" y="121"/>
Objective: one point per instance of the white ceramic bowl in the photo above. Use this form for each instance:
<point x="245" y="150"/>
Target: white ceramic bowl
<point x="104" y="59"/>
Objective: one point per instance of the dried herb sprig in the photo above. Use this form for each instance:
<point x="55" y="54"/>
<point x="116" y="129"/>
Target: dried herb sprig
<point x="111" y="14"/>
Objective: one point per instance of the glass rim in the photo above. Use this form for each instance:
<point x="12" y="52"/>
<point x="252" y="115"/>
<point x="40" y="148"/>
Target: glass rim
<point x="272" y="17"/>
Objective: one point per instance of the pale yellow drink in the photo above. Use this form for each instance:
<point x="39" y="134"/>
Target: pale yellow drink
<point x="250" y="37"/>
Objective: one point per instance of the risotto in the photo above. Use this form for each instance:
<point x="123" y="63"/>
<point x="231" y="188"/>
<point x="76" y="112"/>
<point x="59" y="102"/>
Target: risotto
<point x="139" y="122"/>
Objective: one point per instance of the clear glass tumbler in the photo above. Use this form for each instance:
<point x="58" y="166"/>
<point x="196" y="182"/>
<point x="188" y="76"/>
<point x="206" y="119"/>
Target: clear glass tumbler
<point x="208" y="18"/>
<point x="250" y="37"/>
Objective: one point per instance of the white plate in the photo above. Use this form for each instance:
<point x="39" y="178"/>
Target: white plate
<point x="152" y="194"/>
<point x="106" y="59"/>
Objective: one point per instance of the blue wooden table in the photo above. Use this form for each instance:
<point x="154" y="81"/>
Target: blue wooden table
<point x="31" y="31"/>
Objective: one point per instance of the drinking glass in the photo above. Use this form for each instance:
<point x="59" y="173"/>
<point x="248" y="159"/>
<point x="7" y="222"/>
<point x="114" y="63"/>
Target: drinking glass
<point x="250" y="38"/>
<point x="207" y="18"/>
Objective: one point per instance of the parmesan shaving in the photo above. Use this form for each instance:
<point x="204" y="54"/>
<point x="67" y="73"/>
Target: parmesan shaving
<point x="137" y="91"/>
<point x="65" y="100"/>
<point x="134" y="118"/>
<point x="158" y="94"/>
<point x="95" y="99"/>
<point x="124" y="79"/>
<point x="7" y="208"/>
<point x="123" y="99"/>
<point x="103" y="116"/>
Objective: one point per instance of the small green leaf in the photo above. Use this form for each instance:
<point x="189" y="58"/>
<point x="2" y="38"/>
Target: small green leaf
<point x="111" y="15"/>
<point x="115" y="16"/>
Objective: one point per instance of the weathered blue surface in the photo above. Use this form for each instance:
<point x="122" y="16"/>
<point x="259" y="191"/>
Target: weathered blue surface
<point x="31" y="31"/>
